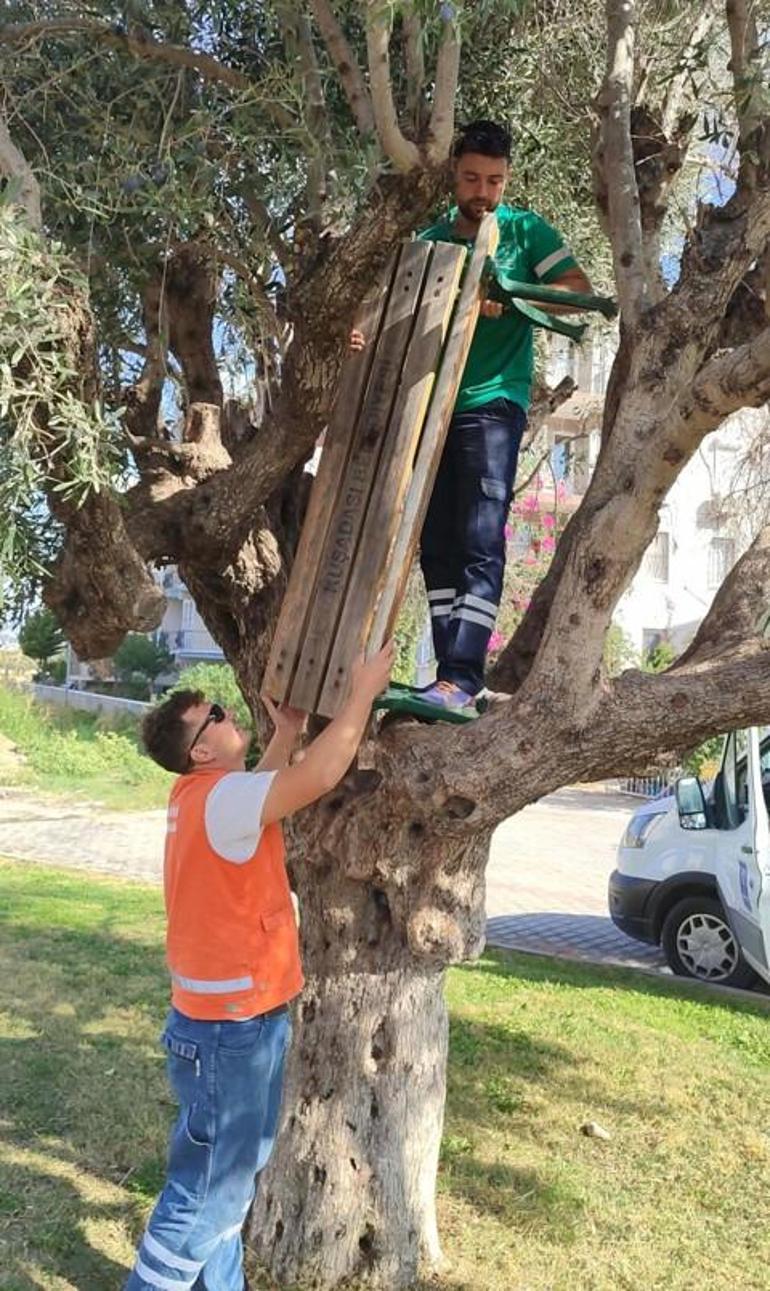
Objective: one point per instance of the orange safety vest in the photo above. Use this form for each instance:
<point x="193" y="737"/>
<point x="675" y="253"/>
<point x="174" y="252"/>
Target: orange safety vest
<point x="231" y="941"/>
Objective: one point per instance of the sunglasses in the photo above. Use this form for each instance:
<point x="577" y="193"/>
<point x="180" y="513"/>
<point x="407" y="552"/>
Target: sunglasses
<point x="216" y="715"/>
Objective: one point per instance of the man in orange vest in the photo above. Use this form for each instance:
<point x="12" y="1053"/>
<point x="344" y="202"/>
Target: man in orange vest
<point x="233" y="956"/>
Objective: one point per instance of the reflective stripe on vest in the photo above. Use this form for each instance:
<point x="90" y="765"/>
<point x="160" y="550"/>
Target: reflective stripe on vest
<point x="200" y="986"/>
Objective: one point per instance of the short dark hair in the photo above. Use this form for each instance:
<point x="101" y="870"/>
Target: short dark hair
<point x="166" y="735"/>
<point x="486" y="137"/>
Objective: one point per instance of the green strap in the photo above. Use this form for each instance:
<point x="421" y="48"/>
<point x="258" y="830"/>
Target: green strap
<point x="575" y="331"/>
<point x="503" y="287"/>
<point x="513" y="294"/>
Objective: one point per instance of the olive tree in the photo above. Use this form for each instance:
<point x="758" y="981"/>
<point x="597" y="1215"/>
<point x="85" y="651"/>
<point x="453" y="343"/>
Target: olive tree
<point x="230" y="179"/>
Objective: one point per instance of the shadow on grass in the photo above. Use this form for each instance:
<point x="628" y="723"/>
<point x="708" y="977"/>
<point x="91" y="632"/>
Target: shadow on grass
<point x="87" y="1109"/>
<point x="85" y="1105"/>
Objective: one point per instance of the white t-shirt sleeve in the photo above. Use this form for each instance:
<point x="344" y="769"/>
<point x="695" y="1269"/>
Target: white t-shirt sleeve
<point x="234" y="813"/>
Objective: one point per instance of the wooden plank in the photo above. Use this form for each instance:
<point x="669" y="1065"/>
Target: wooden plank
<point x="338" y="442"/>
<point x="434" y="435"/>
<point x="354" y="490"/>
<point x="394" y="471"/>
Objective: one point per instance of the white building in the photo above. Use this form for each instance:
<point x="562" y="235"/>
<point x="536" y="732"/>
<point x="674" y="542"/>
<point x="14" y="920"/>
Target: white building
<point x="705" y="522"/>
<point x="182" y="629"/>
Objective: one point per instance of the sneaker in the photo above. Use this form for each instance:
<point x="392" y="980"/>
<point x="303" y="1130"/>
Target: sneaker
<point x="445" y="694"/>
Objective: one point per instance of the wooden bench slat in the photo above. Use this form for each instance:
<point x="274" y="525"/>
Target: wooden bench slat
<point x="394" y="471"/>
<point x="348" y="513"/>
<point x="434" y="434"/>
<point x="338" y="441"/>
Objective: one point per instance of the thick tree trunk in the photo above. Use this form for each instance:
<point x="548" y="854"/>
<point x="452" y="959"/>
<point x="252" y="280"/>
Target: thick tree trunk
<point x="350" y="1191"/>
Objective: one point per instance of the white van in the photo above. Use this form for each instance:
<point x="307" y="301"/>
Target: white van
<point x="693" y="872"/>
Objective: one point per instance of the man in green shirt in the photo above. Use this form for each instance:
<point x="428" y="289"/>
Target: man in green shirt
<point x="462" y="548"/>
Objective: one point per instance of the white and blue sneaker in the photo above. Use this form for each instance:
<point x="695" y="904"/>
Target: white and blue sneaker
<point x="445" y="694"/>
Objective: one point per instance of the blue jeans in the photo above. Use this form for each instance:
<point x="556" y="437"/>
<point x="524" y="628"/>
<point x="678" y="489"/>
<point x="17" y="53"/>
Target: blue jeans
<point x="462" y="548"/>
<point x="227" y="1078"/>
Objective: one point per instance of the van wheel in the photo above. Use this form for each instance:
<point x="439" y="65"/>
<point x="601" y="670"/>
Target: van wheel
<point x="698" y="942"/>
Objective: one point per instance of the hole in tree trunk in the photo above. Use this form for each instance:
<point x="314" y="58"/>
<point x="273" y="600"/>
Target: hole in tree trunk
<point x="380" y="1044"/>
<point x="458" y="808"/>
<point x="366" y="1246"/>
<point x="279" y="1230"/>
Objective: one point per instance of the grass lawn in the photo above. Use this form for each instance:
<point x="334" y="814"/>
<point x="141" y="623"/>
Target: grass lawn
<point x="68" y="751"/>
<point x="679" y="1198"/>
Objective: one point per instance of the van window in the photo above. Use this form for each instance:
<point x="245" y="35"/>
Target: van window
<point x="735" y="779"/>
<point x="764" y="762"/>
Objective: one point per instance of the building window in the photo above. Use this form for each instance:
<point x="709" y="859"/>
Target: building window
<point x="721" y="560"/>
<point x="656" y="560"/>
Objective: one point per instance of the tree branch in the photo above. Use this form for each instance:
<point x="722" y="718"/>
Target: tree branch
<point x="402" y="152"/>
<point x="735" y="379"/>
<point x="473" y="777"/>
<point x="344" y="60"/>
<point x="747" y="85"/>
<point x="442" y="117"/>
<point x="677" y="89"/>
<point x="412" y="33"/>
<point x="14" y="165"/>
<point x="624" y="218"/>
<point x="142" y="45"/>
<point x="267" y="226"/>
<point x="740" y="610"/>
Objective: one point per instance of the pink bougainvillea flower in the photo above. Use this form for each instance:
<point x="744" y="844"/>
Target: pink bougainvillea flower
<point x="549" y="521"/>
<point x="530" y="558"/>
<point x="496" y="641"/>
<point x="508" y="531"/>
<point x="530" y="502"/>
<point x="548" y="543"/>
<point x="561" y="490"/>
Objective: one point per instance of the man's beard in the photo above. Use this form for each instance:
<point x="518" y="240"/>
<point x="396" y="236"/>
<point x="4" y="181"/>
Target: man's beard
<point x="475" y="213"/>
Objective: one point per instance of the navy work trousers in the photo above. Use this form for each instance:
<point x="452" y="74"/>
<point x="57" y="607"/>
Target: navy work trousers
<point x="462" y="548"/>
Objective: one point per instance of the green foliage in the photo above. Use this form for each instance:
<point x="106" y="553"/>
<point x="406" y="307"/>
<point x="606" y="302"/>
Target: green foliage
<point x="619" y="652"/>
<point x="704" y="760"/>
<point x="57" y="671"/>
<point x="140" y="654"/>
<point x="659" y="658"/>
<point x="66" y="749"/>
<point x="217" y="682"/>
<point x="40" y="637"/>
<point x="410" y="627"/>
<point x="50" y="433"/>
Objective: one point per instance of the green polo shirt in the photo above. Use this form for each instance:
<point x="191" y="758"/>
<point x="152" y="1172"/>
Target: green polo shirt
<point x="501" y="358"/>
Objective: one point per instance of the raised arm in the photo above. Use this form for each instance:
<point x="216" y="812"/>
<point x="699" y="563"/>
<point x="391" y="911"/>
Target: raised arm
<point x="327" y="759"/>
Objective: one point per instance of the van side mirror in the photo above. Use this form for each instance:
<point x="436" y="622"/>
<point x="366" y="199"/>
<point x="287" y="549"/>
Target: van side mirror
<point x="691" y="803"/>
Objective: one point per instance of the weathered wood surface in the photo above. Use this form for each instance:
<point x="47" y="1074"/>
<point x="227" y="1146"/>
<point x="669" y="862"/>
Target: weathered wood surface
<point x="336" y="567"/>
<point x="434" y="435"/>
<point x="338" y="441"/>
<point x="386" y="504"/>
<point x="379" y="461"/>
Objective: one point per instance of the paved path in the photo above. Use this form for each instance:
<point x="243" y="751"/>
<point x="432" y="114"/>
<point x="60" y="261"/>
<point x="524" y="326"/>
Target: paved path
<point x="82" y="835"/>
<point x="547" y="879"/>
<point x="546" y="883"/>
